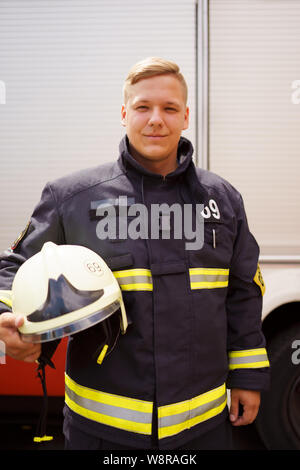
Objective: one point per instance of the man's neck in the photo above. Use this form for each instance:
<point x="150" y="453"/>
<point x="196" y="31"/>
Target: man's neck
<point x="160" y="167"/>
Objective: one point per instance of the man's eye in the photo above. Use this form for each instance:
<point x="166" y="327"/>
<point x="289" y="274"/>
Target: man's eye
<point x="142" y="108"/>
<point x="171" y="109"/>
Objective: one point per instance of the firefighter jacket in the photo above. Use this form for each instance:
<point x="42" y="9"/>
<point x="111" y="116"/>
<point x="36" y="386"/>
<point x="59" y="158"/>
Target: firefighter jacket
<point x="194" y="311"/>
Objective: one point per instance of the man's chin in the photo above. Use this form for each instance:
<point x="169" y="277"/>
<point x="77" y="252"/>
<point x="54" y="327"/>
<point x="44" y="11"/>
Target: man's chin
<point x="154" y="152"/>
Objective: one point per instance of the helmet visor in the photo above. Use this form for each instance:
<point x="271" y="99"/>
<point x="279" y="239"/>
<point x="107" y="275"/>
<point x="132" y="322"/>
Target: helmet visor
<point x="73" y="327"/>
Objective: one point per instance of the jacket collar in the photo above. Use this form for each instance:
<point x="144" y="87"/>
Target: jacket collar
<point x="128" y="163"/>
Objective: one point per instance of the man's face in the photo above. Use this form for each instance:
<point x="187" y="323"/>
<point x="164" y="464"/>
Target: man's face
<point x="154" y="116"/>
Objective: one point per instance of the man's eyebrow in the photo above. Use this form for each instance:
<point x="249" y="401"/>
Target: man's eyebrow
<point x="141" y="101"/>
<point x="173" y="103"/>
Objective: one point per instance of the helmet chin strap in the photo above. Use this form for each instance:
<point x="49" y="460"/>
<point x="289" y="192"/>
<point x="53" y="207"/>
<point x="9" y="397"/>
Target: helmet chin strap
<point x="111" y="332"/>
<point x="42" y="423"/>
<point x="40" y="434"/>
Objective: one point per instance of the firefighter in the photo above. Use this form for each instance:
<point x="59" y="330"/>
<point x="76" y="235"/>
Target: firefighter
<point x="194" y="309"/>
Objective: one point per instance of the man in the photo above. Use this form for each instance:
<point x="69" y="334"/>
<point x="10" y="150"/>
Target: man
<point x="195" y="313"/>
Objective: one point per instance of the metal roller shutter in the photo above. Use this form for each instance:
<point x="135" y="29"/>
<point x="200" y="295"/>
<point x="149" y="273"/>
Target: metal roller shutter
<point x="62" y="66"/>
<point x="254" y="138"/>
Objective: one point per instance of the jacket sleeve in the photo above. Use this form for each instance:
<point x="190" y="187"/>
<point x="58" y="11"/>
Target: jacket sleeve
<point x="247" y="356"/>
<point x="44" y="225"/>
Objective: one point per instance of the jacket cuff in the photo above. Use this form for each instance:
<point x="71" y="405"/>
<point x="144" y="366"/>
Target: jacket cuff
<point x="249" y="379"/>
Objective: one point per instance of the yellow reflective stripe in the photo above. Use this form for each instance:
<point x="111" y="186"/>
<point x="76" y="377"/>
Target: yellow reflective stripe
<point x="132" y="272"/>
<point x="249" y="365"/>
<point x="208" y="278"/>
<point x="137" y="286"/>
<point x="248" y="359"/>
<point x="42" y="439"/>
<point x="210" y="271"/>
<point x="177" y="417"/>
<point x="169" y="410"/>
<point x="113" y="410"/>
<point x="138" y="279"/>
<point x="247" y="352"/>
<point x="208" y="285"/>
<point x="177" y="428"/>
<point x="108" y="398"/>
<point x="5" y="297"/>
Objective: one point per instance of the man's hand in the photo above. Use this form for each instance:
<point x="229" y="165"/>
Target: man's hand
<point x="15" y="347"/>
<point x="249" y="401"/>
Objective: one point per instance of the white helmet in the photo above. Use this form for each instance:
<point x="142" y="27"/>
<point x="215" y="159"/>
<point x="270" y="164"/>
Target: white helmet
<point x="64" y="289"/>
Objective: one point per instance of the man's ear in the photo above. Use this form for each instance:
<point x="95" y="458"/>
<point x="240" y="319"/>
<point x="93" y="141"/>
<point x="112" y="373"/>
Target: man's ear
<point x="186" y="118"/>
<point x="123" y="115"/>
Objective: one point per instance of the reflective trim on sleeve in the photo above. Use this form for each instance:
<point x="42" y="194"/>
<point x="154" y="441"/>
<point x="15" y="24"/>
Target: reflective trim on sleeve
<point x="112" y="410"/>
<point x="248" y="359"/>
<point x="175" y="418"/>
<point x="208" y="278"/>
<point x="134" y="279"/>
<point x="5" y="297"/>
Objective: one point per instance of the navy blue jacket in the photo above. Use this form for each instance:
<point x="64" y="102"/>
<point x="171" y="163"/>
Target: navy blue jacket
<point x="195" y="314"/>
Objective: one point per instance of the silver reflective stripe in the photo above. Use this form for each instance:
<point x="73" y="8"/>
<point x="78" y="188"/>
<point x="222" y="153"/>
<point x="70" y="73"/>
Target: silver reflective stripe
<point x="249" y="358"/>
<point x="177" y="417"/>
<point x="134" y="279"/>
<point x="190" y="414"/>
<point x="209" y="278"/>
<point x="109" y="409"/>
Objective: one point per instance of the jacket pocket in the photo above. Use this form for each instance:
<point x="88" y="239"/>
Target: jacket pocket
<point x="120" y="261"/>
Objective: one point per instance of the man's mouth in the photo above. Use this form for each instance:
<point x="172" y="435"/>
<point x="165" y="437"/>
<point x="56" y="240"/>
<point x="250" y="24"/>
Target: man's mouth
<point x="155" y="136"/>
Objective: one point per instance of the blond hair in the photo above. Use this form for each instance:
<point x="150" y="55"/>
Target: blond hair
<point x="151" y="67"/>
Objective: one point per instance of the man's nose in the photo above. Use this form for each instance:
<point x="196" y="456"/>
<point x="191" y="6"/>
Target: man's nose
<point x="155" y="118"/>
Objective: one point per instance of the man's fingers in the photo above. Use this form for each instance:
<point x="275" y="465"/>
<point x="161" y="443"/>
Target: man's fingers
<point x="247" y="402"/>
<point x="29" y="353"/>
<point x="33" y="356"/>
<point x="19" y="321"/>
<point x="15" y="347"/>
<point x="10" y="320"/>
<point x="248" y="416"/>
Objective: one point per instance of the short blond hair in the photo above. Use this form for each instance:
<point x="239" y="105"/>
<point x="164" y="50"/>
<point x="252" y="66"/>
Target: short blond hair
<point x="150" y="67"/>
